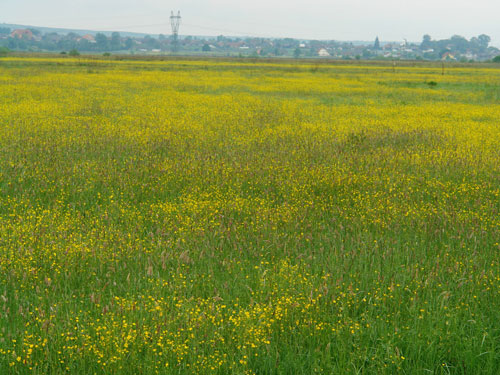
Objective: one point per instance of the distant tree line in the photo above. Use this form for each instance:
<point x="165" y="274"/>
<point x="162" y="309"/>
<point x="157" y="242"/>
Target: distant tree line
<point x="456" y="44"/>
<point x="72" y="41"/>
<point x="477" y="48"/>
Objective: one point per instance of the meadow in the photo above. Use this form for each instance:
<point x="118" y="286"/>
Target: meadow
<point x="231" y="217"/>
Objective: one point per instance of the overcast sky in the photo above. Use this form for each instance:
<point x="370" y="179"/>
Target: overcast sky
<point x="314" y="19"/>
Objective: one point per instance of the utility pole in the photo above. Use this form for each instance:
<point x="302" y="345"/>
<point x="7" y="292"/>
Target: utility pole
<point x="175" y="21"/>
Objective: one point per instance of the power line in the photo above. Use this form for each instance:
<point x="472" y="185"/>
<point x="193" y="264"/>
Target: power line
<point x="132" y="27"/>
<point x="227" y="31"/>
<point x="175" y="19"/>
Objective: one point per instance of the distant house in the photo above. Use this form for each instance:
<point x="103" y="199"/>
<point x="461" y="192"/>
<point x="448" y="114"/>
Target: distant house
<point x="22" y="34"/>
<point x="323" y="52"/>
<point x="470" y="56"/>
<point x="89" y="37"/>
<point x="447" y="56"/>
<point x="236" y="44"/>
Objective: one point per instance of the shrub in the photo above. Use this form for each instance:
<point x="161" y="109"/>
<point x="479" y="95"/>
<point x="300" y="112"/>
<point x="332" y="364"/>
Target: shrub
<point x="4" y="51"/>
<point x="74" y="52"/>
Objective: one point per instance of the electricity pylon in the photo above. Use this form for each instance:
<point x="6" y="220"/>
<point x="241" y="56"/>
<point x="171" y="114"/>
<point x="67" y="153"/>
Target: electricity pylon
<point x="175" y="21"/>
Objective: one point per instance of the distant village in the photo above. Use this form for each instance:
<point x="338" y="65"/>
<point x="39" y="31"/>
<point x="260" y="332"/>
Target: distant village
<point x="456" y="48"/>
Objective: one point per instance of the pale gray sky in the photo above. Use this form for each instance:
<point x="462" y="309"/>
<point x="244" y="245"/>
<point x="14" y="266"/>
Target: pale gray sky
<point x="313" y="19"/>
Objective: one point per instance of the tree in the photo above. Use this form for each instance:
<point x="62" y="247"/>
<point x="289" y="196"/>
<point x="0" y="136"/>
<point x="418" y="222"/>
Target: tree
<point x="101" y="41"/>
<point x="288" y="42"/>
<point x="66" y="44"/>
<point x="150" y="42"/>
<point x="72" y="36"/>
<point x="426" y="42"/>
<point x="129" y="43"/>
<point x="35" y="32"/>
<point x="84" y="45"/>
<point x="496" y="59"/>
<point x="484" y="40"/>
<point x="474" y="43"/>
<point x="297" y="53"/>
<point x="12" y="43"/>
<point x="116" y="43"/>
<point x="74" y="52"/>
<point x="376" y="46"/>
<point x="459" y="43"/>
<point x="206" y="48"/>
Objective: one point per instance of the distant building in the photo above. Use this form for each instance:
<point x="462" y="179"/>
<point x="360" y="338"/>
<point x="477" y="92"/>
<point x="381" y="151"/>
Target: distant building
<point x="447" y="56"/>
<point x="323" y="53"/>
<point x="236" y="44"/>
<point x="470" y="56"/>
<point x="89" y="37"/>
<point x="22" y="34"/>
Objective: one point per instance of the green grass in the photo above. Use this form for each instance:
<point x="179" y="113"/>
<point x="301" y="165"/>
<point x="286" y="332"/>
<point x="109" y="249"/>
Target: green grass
<point x="220" y="217"/>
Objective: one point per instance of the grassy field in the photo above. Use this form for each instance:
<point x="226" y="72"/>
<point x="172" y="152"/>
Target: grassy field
<point x="218" y="217"/>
